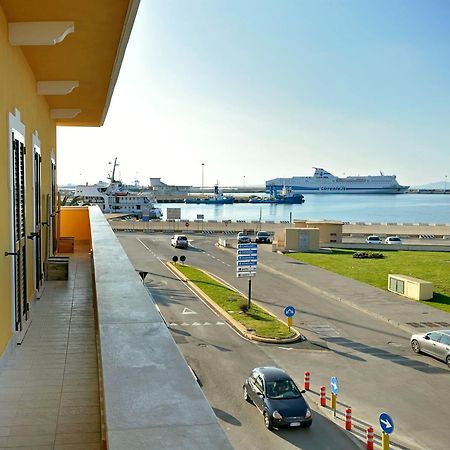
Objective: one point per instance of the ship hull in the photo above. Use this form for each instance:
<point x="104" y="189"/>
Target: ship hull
<point x="340" y="189"/>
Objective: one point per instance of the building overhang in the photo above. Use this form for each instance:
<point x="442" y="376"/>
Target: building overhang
<point x="75" y="50"/>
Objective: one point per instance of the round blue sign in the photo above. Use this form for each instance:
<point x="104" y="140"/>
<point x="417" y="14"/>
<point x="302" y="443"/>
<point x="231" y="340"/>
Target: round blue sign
<point x="386" y="423"/>
<point x="289" y="311"/>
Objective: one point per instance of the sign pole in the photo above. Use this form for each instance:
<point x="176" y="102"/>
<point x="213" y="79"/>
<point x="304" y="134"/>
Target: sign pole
<point x="249" y="292"/>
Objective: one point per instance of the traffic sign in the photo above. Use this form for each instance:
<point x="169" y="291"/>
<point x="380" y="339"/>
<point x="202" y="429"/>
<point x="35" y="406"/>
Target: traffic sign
<point x="247" y="251"/>
<point x="245" y="268"/>
<point x="289" y="311"/>
<point x="247" y="246"/>
<point x="247" y="263"/>
<point x="246" y="257"/>
<point x="386" y="423"/>
<point x="334" y="384"/>
<point x="245" y="274"/>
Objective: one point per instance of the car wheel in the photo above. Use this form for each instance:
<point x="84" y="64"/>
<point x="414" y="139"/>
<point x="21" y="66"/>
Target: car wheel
<point x="245" y="393"/>
<point x="415" y="346"/>
<point x="267" y="421"/>
<point x="448" y="361"/>
<point x="307" y="424"/>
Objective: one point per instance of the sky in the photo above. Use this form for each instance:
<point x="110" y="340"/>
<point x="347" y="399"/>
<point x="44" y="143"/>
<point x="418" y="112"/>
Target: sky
<point x="259" y="89"/>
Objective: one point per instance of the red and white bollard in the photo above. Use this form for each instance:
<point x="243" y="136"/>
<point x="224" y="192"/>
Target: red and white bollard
<point x="369" y="438"/>
<point x="348" y="419"/>
<point x="323" y="396"/>
<point x="306" y="383"/>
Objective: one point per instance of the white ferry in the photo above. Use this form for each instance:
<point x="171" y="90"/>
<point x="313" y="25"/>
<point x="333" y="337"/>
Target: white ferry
<point x="323" y="182"/>
<point x="115" y="198"/>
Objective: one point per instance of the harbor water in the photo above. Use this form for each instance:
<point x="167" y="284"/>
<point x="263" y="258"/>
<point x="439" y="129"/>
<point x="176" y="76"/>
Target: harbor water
<point x="406" y="208"/>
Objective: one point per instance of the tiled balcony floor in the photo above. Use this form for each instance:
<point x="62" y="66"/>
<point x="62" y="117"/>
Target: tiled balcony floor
<point x="49" y="385"/>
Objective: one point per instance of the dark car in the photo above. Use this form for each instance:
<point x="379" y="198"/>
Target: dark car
<point x="277" y="397"/>
<point x="262" y="237"/>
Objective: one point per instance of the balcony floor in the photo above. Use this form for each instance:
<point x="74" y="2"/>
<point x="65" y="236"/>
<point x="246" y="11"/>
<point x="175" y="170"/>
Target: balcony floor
<point x="49" y="385"/>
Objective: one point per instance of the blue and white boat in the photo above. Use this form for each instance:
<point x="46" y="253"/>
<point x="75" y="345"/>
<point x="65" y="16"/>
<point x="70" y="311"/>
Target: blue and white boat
<point x="323" y="182"/>
<point x="286" y="196"/>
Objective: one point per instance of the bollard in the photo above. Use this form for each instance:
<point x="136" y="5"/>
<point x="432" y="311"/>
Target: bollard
<point x="323" y="396"/>
<point x="348" y="419"/>
<point x="306" y="384"/>
<point x="369" y="438"/>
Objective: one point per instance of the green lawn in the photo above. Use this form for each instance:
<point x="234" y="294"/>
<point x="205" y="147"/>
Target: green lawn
<point x="263" y="324"/>
<point x="429" y="266"/>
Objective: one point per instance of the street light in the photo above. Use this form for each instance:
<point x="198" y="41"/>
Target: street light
<point x="445" y="184"/>
<point x="203" y="175"/>
<point x="244" y="180"/>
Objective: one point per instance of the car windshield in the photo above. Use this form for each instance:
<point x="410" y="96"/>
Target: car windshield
<point x="182" y="238"/>
<point x="374" y="238"/>
<point x="282" y="389"/>
<point x="394" y="239"/>
<point x="263" y="234"/>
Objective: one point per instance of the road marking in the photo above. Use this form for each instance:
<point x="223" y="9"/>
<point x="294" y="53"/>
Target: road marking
<point x="196" y="324"/>
<point x="188" y="311"/>
<point x="286" y="348"/>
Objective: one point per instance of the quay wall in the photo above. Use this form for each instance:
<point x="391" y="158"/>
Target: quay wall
<point x="418" y="230"/>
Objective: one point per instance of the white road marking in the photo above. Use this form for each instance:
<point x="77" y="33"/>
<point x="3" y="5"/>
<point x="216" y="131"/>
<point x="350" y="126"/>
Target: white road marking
<point x="188" y="311"/>
<point x="196" y="324"/>
<point x="286" y="348"/>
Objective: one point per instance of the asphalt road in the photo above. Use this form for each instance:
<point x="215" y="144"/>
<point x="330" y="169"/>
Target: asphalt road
<point x="372" y="360"/>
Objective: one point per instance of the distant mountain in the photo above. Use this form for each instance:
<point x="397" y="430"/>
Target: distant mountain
<point x="437" y="185"/>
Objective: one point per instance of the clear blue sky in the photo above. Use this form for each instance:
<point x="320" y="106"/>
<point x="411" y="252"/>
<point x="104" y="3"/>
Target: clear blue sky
<point x="267" y="88"/>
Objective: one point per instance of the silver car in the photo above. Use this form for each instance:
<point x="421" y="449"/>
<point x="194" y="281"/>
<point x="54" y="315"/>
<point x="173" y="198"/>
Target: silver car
<point x="435" y="343"/>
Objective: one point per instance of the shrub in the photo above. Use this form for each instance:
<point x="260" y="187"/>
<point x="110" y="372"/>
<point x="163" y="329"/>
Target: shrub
<point x="366" y="255"/>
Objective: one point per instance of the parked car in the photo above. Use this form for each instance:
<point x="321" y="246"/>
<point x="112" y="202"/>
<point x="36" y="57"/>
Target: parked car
<point x="179" y="241"/>
<point x="434" y="343"/>
<point x="243" y="238"/>
<point x="393" y="240"/>
<point x="373" y="239"/>
<point x="277" y="397"/>
<point x="263" y="237"/>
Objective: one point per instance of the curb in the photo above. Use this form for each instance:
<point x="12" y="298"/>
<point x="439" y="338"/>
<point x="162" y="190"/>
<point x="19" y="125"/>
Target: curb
<point x="336" y="297"/>
<point x="241" y="329"/>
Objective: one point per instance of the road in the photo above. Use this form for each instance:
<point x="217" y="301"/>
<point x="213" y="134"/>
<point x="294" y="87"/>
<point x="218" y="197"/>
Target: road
<point x="371" y="359"/>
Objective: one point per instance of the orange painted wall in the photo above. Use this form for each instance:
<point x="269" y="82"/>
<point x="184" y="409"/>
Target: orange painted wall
<point x="74" y="222"/>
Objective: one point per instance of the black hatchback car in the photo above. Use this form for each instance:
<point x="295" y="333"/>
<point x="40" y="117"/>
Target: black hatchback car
<point x="277" y="397"/>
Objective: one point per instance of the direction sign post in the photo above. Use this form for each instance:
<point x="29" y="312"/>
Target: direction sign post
<point x="334" y="385"/>
<point x="246" y="261"/>
<point x="387" y="425"/>
<point x="289" y="312"/>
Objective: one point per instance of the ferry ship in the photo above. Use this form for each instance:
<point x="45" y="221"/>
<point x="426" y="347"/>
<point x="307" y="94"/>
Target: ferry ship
<point x="323" y="182"/>
<point x="115" y="198"/>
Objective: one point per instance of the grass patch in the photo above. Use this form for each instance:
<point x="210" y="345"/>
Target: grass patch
<point x="255" y="319"/>
<point x="429" y="266"/>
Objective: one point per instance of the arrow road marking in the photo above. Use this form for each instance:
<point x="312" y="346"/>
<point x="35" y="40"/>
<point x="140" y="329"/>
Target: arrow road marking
<point x="386" y="423"/>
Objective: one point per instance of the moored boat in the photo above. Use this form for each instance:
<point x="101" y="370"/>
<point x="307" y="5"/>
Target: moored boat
<point x="115" y="198"/>
<point x="323" y="182"/>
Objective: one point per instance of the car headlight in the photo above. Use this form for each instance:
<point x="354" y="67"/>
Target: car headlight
<point x="277" y="415"/>
<point x="308" y="413"/>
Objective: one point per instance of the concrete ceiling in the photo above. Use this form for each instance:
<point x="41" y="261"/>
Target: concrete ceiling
<point x="91" y="55"/>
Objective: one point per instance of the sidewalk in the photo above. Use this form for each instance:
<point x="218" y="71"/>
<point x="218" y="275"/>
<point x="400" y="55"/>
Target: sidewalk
<point x="410" y="315"/>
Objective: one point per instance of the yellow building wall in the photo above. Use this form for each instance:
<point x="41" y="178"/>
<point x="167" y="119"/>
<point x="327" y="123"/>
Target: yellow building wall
<point x="74" y="222"/>
<point x="18" y="90"/>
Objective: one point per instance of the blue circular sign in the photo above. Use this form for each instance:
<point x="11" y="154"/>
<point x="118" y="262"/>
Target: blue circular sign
<point x="334" y="384"/>
<point x="386" y="423"/>
<point x="289" y="311"/>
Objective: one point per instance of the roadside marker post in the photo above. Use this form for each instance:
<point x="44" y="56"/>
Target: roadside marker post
<point x="323" y="396"/>
<point x="306" y="383"/>
<point x="333" y="403"/>
<point x="369" y="438"/>
<point x="348" y="419"/>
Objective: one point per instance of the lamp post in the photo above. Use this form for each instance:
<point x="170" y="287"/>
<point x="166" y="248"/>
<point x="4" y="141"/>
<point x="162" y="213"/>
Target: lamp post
<point x="445" y="184"/>
<point x="203" y="175"/>
<point x="244" y="180"/>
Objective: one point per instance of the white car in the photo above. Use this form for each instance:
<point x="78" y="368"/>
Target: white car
<point x="392" y="240"/>
<point x="373" y="240"/>
<point x="179" y="241"/>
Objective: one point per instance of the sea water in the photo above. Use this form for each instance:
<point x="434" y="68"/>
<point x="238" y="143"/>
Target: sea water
<point x="403" y="208"/>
